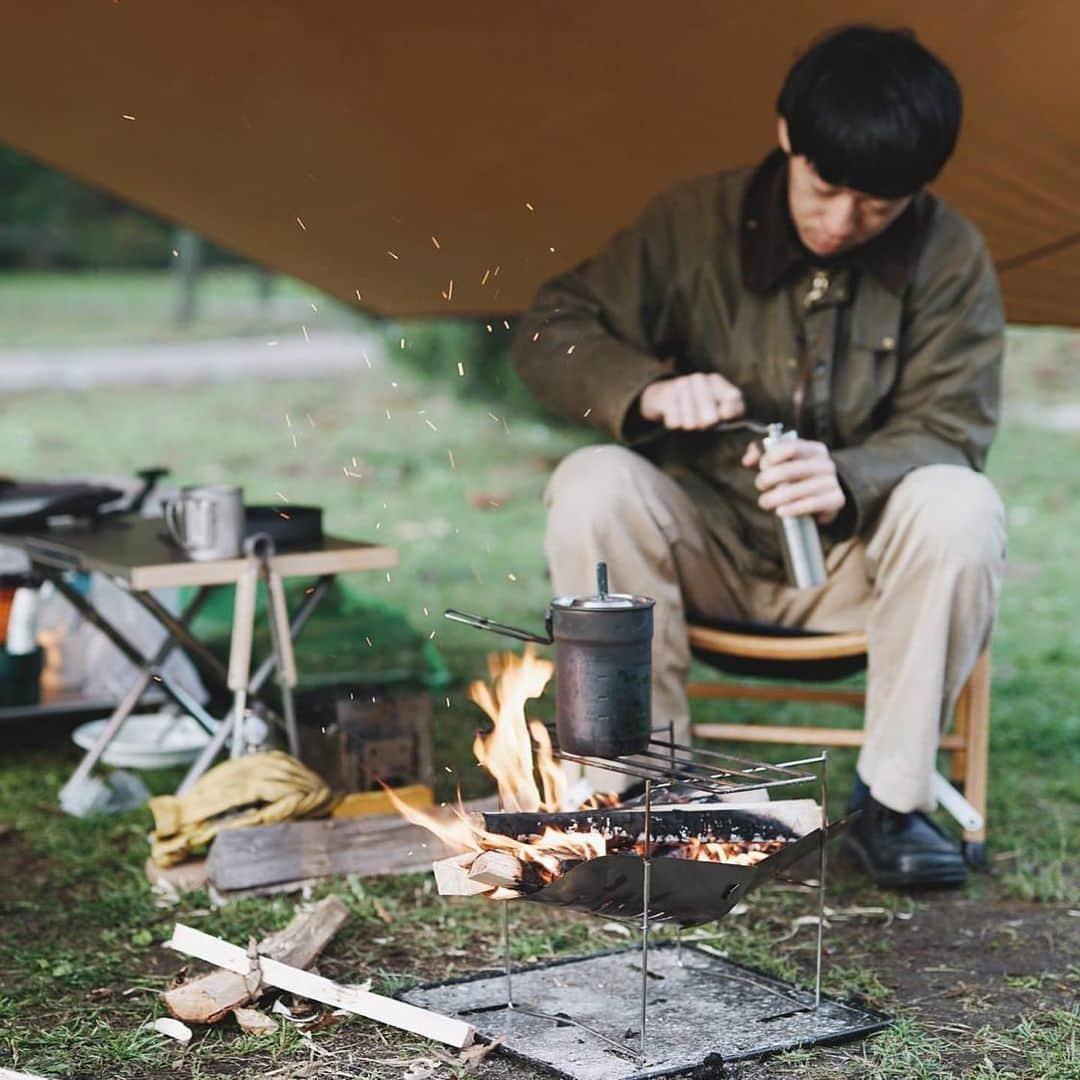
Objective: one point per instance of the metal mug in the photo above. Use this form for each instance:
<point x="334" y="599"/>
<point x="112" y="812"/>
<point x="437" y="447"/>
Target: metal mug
<point x="207" y="521"/>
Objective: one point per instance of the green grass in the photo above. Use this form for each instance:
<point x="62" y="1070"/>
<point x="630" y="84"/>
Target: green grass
<point x="79" y="927"/>
<point x="48" y="309"/>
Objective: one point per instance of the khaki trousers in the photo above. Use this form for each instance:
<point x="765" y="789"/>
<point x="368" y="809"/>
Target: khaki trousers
<point x="923" y="586"/>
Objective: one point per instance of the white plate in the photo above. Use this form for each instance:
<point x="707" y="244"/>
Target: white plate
<point x="154" y="741"/>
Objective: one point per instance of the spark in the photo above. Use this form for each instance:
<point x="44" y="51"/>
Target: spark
<point x="367" y="359"/>
<point x="430" y="424"/>
<point x="461" y="369"/>
<point x="450" y="455"/>
<point x="369" y="641"/>
<point x="314" y="306"/>
<point x="435" y="241"/>
<point x="487" y="274"/>
<point x="496" y="274"/>
<point x="552" y="250"/>
<point x="301" y="224"/>
<point x="354" y="465"/>
<point x="529" y="206"/>
<point x="303" y="328"/>
<point x="388" y="577"/>
<point x="294" y="440"/>
<point x="506" y="324"/>
<point x="512" y="577"/>
<point x="127" y="116"/>
<point x="310" y="420"/>
<point x="536" y="336"/>
<point x="448" y="706"/>
<point x="403" y="343"/>
<point x="378" y="525"/>
<point x="358" y="296"/>
<point x="283" y="497"/>
<point x="387" y="414"/>
<point x="271" y="344"/>
<point x="425" y="611"/>
<point x="586" y="412"/>
<point x="488" y="325"/>
<point x="288" y="420"/>
<point x="391" y="254"/>
<point x="449" y="294"/>
<point x="493" y="417"/>
<point x="570" y="351"/>
<point x="431" y="636"/>
<point x="176" y="253"/>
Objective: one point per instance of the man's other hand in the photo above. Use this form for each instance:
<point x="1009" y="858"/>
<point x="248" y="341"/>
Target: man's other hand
<point x="797" y="477"/>
<point x="691" y="402"/>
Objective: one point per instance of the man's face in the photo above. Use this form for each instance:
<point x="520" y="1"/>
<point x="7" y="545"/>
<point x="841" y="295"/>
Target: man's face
<point x="831" y="220"/>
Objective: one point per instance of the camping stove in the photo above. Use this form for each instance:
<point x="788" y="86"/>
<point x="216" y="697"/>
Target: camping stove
<point x="579" y="1018"/>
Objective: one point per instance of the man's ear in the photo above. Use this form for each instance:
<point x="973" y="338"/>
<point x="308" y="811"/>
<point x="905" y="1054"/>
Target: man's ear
<point x="782" y="135"/>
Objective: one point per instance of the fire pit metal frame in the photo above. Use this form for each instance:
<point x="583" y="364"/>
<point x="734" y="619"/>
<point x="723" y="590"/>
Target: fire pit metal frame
<point x="663" y="765"/>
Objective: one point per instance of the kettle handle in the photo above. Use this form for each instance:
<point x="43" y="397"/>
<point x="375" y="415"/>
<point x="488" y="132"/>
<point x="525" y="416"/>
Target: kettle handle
<point x="481" y="622"/>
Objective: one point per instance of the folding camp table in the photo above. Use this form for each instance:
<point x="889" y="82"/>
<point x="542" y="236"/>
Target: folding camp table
<point x="135" y="555"/>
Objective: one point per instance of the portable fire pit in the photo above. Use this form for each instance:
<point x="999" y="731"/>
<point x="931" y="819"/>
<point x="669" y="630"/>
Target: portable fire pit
<point x="649" y="1013"/>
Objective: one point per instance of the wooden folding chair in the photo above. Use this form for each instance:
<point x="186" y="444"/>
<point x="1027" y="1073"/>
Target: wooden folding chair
<point x="800" y="656"/>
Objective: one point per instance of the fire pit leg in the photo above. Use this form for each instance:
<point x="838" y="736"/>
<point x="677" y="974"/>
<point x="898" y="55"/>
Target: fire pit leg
<point x="646" y="881"/>
<point x="824" y="775"/>
<point x="506" y="954"/>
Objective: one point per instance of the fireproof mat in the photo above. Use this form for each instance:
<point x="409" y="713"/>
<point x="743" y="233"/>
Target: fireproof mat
<point x="705" y="1011"/>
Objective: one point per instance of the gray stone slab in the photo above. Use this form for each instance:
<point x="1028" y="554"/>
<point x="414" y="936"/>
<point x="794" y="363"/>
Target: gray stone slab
<point x="704" y="1010"/>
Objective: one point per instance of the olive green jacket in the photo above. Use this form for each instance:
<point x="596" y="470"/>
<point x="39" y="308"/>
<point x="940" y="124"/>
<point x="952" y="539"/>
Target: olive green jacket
<point x="891" y="357"/>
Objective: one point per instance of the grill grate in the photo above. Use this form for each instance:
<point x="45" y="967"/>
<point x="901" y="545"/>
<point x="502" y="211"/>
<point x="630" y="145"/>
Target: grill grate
<point x="666" y="764"/>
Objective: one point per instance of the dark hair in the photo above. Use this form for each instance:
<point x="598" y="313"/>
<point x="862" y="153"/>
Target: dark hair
<point x="872" y="110"/>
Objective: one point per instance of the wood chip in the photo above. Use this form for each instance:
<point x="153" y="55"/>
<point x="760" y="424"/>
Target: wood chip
<point x="254" y="1022"/>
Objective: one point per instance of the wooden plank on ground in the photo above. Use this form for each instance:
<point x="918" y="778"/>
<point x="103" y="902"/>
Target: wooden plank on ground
<point x="211" y="997"/>
<point x="431" y="1025"/>
<point x="303" y="850"/>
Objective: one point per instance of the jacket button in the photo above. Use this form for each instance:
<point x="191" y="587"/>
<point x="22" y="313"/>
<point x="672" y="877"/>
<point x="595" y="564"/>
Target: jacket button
<point x="792" y="362"/>
<point x="888" y="343"/>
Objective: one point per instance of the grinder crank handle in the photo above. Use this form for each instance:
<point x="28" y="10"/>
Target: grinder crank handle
<point x="480" y="622"/>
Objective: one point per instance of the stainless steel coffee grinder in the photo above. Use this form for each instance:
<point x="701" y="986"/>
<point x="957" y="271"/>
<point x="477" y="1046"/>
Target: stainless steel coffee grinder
<point x="800" y="540"/>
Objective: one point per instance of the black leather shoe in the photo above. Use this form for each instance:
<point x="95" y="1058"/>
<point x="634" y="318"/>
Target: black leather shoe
<point x="902" y="850"/>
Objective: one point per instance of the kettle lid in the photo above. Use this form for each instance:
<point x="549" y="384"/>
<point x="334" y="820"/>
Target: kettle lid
<point x="605" y="602"/>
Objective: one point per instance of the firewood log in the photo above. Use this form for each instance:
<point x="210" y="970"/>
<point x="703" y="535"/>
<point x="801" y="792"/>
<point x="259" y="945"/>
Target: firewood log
<point x="496" y="868"/>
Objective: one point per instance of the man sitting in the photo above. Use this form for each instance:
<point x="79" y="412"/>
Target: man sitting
<point x="827" y="290"/>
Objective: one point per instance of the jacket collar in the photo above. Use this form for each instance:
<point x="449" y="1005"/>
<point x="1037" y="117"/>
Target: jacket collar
<point x="770" y="247"/>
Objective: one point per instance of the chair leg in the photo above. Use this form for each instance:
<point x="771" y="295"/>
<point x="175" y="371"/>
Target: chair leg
<point x="961" y="718"/>
<point x="977" y="754"/>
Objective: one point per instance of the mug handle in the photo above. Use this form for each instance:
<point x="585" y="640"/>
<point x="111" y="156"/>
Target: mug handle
<point x="174" y="521"/>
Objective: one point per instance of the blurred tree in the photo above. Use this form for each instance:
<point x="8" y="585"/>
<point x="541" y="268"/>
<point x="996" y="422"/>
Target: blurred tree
<point x="188" y="262"/>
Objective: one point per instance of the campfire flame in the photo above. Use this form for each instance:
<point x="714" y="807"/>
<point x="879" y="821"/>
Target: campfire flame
<point x="507" y="750"/>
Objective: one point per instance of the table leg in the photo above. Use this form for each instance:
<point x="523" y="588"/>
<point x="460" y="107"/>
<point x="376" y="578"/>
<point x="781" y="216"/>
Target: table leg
<point x="262" y="673"/>
<point x="130" y="700"/>
<point x="91" y="614"/>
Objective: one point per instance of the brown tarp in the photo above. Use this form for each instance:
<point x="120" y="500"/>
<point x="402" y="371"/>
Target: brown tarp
<point x="320" y="137"/>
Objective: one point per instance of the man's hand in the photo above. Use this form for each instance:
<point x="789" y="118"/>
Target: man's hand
<point x="797" y="477"/>
<point x="691" y="402"/>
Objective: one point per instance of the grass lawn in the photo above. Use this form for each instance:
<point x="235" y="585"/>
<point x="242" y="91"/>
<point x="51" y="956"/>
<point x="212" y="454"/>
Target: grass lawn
<point x="45" y="309"/>
<point x="983" y="981"/>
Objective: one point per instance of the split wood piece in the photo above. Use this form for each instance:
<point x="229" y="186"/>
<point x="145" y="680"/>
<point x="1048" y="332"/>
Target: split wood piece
<point x="452" y="876"/>
<point x="430" y="1025"/>
<point x="297" y="850"/>
<point x="210" y="998"/>
<point x="498" y="868"/>
<point x="185" y="877"/>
